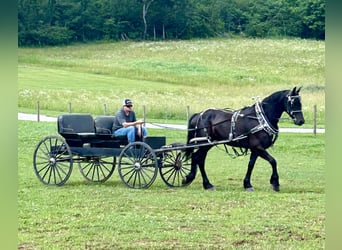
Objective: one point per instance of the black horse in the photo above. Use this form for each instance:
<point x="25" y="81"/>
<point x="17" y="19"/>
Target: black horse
<point x="254" y="127"/>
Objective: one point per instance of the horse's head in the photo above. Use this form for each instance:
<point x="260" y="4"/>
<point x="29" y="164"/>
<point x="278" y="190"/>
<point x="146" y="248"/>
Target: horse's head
<point x="293" y="106"/>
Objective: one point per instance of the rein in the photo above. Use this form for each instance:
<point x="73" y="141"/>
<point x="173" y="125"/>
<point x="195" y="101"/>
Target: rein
<point x="264" y="124"/>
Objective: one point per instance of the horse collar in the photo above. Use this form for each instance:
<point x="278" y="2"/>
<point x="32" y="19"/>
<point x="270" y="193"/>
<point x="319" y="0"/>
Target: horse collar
<point x="263" y="121"/>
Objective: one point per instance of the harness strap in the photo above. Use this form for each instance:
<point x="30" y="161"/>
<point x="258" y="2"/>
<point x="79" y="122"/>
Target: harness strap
<point x="207" y="138"/>
<point x="232" y="124"/>
<point x="236" y="153"/>
<point x="200" y="139"/>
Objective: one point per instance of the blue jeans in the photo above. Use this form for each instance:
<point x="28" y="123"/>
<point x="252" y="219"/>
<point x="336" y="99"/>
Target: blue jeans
<point x="130" y="132"/>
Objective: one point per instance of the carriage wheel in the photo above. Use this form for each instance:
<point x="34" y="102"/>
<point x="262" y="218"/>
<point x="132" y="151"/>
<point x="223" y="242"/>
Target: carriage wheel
<point x="97" y="168"/>
<point x="52" y="161"/>
<point x="174" y="168"/>
<point x="138" y="166"/>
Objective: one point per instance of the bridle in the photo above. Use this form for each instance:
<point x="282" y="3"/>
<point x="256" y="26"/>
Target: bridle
<point x="289" y="104"/>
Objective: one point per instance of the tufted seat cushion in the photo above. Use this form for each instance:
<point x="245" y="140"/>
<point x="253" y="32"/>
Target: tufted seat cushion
<point x="104" y="124"/>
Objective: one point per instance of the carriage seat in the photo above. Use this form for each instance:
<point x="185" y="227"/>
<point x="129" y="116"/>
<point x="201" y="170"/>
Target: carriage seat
<point x="81" y="124"/>
<point x="82" y="129"/>
<point x="104" y="124"/>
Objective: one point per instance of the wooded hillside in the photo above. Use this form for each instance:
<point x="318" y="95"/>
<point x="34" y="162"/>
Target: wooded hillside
<point x="58" y="22"/>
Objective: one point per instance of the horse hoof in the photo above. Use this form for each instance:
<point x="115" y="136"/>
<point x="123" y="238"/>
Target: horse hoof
<point x="250" y="189"/>
<point x="212" y="188"/>
<point x="276" y="188"/>
<point x="209" y="187"/>
<point x="185" y="181"/>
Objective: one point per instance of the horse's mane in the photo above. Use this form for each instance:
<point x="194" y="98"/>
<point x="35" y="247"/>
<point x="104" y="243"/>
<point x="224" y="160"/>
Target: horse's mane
<point x="275" y="96"/>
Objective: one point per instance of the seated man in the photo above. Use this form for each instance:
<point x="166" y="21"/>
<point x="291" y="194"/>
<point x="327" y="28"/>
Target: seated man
<point x="126" y="124"/>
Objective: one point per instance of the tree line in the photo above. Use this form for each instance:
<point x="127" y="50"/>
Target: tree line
<point x="61" y="22"/>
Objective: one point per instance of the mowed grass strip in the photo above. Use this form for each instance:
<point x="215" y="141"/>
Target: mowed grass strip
<point x="85" y="215"/>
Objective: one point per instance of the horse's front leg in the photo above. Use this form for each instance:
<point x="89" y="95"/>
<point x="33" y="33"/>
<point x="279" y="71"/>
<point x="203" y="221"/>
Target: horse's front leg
<point x="247" y="180"/>
<point x="274" y="180"/>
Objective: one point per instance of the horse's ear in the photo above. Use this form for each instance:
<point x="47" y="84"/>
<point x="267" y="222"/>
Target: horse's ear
<point x="295" y="91"/>
<point x="299" y="89"/>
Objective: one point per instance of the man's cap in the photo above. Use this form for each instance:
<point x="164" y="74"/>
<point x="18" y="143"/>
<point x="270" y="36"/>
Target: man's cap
<point x="127" y="102"/>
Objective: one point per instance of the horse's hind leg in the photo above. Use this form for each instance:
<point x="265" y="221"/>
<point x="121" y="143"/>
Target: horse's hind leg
<point x="202" y="154"/>
<point x="247" y="180"/>
<point x="274" y="180"/>
<point x="191" y="176"/>
<point x="198" y="158"/>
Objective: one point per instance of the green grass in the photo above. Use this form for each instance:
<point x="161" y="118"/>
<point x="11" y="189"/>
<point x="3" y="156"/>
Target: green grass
<point x="85" y="215"/>
<point x="169" y="76"/>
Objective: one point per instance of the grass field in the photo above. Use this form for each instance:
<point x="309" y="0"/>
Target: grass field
<point x="166" y="77"/>
<point x="169" y="76"/>
<point x="85" y="215"/>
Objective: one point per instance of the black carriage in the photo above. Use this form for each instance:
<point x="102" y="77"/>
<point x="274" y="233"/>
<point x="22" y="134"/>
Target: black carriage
<point x="91" y="144"/>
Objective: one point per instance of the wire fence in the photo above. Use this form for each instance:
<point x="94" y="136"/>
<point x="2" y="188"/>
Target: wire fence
<point x="313" y="130"/>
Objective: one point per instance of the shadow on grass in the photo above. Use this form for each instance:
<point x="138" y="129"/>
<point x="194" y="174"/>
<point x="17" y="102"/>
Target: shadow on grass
<point x="229" y="187"/>
<point x="301" y="190"/>
<point x="77" y="183"/>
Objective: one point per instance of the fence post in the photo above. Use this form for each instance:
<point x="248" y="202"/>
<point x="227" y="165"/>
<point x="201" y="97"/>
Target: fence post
<point x="70" y="108"/>
<point x="187" y="113"/>
<point x="38" y="111"/>
<point x="144" y="114"/>
<point x="315" y="119"/>
<point x="105" y="109"/>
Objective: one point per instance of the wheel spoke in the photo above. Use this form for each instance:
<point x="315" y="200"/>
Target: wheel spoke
<point x="129" y="172"/>
<point x="45" y="152"/>
<point x="48" y="170"/>
<point x="134" y="174"/>
<point x="61" y="167"/>
<point x="58" y="170"/>
<point x="44" y="167"/>
<point x="86" y="167"/>
<point x="103" y="166"/>
<point x="97" y="169"/>
<point x="185" y="170"/>
<point x="100" y="170"/>
<point x="171" y="169"/>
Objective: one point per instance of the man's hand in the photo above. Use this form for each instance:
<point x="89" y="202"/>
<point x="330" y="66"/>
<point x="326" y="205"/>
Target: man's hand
<point x="141" y="121"/>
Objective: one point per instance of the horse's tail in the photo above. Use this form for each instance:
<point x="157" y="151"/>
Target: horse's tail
<point x="191" y="133"/>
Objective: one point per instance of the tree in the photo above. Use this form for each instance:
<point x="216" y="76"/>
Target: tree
<point x="314" y="19"/>
<point x="145" y="6"/>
